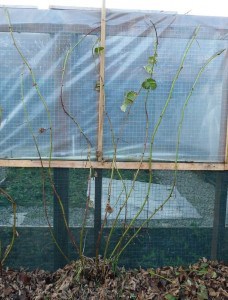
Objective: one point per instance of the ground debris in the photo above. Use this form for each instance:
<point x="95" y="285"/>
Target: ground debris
<point x="96" y="280"/>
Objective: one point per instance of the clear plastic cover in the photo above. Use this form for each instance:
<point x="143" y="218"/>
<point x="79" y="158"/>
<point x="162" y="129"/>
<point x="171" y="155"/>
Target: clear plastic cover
<point x="204" y="121"/>
<point x="44" y="38"/>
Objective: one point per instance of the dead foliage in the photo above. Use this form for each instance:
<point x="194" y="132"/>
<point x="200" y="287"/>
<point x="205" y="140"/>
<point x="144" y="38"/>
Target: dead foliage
<point x="92" y="280"/>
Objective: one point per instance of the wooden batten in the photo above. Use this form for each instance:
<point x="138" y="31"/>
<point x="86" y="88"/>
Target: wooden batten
<point x="101" y="103"/>
<point x="120" y="165"/>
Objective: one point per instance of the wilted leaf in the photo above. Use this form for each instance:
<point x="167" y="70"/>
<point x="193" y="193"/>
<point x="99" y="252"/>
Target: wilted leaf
<point x="212" y="292"/>
<point x="123" y="107"/>
<point x="7" y="291"/>
<point x="76" y="280"/>
<point x="128" y="100"/>
<point x="24" y="278"/>
<point x="214" y="275"/>
<point x="148" y="69"/>
<point x="108" y="208"/>
<point x="91" y="204"/>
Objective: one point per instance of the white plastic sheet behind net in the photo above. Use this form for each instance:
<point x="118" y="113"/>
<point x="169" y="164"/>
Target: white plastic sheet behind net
<point x="44" y="37"/>
<point x="130" y="42"/>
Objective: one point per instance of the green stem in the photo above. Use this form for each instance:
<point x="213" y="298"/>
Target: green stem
<point x="42" y="167"/>
<point x="14" y="232"/>
<point x="151" y="147"/>
<point x="48" y="116"/>
<point x="128" y="194"/>
<point x="152" y="273"/>
<point x="190" y="94"/>
<point x="177" y="147"/>
<point x="144" y="149"/>
<point x="73" y="118"/>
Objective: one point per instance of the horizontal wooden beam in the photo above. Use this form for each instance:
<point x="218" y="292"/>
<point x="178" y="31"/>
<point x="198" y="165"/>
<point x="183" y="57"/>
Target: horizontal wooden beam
<point x="49" y="28"/>
<point x="191" y="166"/>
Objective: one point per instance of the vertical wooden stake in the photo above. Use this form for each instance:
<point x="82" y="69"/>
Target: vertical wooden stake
<point x="101" y="103"/>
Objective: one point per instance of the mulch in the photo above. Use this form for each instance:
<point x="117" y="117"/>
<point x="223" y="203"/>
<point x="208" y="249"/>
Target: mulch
<point x="92" y="280"/>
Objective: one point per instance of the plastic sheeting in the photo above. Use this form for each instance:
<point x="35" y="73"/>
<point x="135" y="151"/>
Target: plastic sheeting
<point x="44" y="37"/>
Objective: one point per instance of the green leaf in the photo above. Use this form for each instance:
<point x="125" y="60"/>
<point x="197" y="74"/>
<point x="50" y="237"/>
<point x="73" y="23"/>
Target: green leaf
<point x="148" y="69"/>
<point x="149" y="84"/>
<point x="97" y="86"/>
<point x="204" y="265"/>
<point x="131" y="96"/>
<point x="128" y="100"/>
<point x="152" y="59"/>
<point x="202" y="294"/>
<point x="170" y="297"/>
<point x="98" y="50"/>
<point x="202" y="272"/>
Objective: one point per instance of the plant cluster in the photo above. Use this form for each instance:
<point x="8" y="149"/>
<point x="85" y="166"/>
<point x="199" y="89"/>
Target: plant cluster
<point x="148" y="85"/>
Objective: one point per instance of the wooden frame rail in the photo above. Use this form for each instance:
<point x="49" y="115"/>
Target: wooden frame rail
<point x="191" y="166"/>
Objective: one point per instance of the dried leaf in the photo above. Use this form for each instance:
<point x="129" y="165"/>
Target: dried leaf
<point x="123" y="284"/>
<point x="212" y="292"/>
<point x="108" y="208"/>
<point x="24" y="278"/>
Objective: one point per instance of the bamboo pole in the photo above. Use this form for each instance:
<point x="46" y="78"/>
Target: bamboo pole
<point x="101" y="103"/>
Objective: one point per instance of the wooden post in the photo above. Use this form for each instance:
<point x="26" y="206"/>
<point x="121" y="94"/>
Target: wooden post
<point x="218" y="231"/>
<point x="61" y="179"/>
<point x="98" y="205"/>
<point x="224" y="114"/>
<point x="101" y="104"/>
<point x="226" y="148"/>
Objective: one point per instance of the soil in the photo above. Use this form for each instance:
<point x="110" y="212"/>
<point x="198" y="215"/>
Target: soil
<point x="88" y="279"/>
